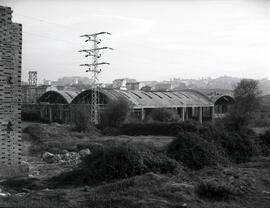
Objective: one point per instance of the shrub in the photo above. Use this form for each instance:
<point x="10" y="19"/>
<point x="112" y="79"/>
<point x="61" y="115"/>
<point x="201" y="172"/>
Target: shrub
<point x="19" y="184"/>
<point x="238" y="147"/>
<point x="31" y="116"/>
<point x="159" y="128"/>
<point x="235" y="121"/>
<point x="217" y="189"/>
<point x="193" y="151"/>
<point x="263" y="142"/>
<point x="190" y="126"/>
<point x="81" y="120"/>
<point x="163" y="115"/>
<point x="133" y="129"/>
<point x="114" y="114"/>
<point x="118" y="162"/>
<point x="266" y="138"/>
<point x="110" y="131"/>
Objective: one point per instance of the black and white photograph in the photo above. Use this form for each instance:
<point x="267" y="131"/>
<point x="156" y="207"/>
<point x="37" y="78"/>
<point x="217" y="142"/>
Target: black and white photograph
<point x="135" y="103"/>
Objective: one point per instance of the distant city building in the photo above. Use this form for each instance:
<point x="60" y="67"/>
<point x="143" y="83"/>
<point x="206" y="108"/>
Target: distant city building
<point x="72" y="80"/>
<point x="120" y="84"/>
<point x="147" y="88"/>
<point x="134" y="85"/>
<point x="46" y="82"/>
<point x="107" y="85"/>
<point x="180" y="86"/>
<point x="163" y="87"/>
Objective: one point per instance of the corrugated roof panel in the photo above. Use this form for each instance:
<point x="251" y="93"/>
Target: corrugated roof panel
<point x="68" y="96"/>
<point x="170" y="99"/>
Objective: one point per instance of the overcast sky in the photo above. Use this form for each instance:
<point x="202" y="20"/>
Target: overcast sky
<point x="153" y="40"/>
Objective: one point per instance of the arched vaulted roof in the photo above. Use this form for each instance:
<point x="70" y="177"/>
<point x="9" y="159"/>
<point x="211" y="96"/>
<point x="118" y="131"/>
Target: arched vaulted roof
<point x="152" y="99"/>
<point x="223" y="98"/>
<point x="59" y="97"/>
<point x="218" y="95"/>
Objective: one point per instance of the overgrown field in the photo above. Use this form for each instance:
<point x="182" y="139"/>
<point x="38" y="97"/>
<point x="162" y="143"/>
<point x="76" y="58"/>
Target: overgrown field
<point x="191" y="166"/>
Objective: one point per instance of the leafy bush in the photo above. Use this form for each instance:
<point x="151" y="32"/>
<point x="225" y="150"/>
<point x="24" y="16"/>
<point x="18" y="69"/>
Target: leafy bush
<point x="117" y="162"/>
<point x="235" y="121"/>
<point x="81" y="120"/>
<point x="218" y="189"/>
<point x="163" y="115"/>
<point x="32" y="116"/>
<point x="263" y="142"/>
<point x="160" y="128"/>
<point x="266" y="138"/>
<point x="110" y="131"/>
<point x="133" y="129"/>
<point x="114" y="114"/>
<point x="193" y="151"/>
<point x="238" y="147"/>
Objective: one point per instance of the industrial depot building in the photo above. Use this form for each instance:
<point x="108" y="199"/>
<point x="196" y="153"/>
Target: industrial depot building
<point x="63" y="106"/>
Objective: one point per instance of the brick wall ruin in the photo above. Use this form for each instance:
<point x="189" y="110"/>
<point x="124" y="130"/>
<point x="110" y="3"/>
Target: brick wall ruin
<point x="10" y="96"/>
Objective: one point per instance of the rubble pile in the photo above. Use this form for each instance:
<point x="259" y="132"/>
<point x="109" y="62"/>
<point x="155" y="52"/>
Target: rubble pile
<point x="70" y="158"/>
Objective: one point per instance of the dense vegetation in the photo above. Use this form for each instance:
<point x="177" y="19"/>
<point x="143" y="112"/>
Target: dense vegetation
<point x="118" y="162"/>
<point x="195" y="145"/>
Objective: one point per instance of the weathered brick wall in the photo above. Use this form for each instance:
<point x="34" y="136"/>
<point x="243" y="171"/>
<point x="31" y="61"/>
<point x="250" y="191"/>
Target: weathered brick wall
<point x="10" y="96"/>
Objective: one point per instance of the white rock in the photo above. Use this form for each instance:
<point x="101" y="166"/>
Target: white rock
<point x="48" y="157"/>
<point x="84" y="152"/>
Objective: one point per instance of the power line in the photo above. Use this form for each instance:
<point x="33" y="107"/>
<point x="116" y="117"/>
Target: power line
<point x="47" y="37"/>
<point x="45" y="21"/>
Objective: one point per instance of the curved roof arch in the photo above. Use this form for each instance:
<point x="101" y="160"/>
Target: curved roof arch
<point x="106" y="95"/>
<point x="150" y="99"/>
<point x="59" y="97"/>
<point x="223" y="98"/>
<point x="218" y="95"/>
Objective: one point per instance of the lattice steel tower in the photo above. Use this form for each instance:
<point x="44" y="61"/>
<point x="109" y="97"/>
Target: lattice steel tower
<point x="32" y="78"/>
<point x="94" y="68"/>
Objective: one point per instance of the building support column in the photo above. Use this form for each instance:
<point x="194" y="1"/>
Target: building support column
<point x="40" y="111"/>
<point x="183" y="114"/>
<point x="50" y="113"/>
<point x="213" y="114"/>
<point x="142" y="114"/>
<point x="200" y="114"/>
<point x="60" y="112"/>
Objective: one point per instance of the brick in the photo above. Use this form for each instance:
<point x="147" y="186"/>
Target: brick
<point x="10" y="96"/>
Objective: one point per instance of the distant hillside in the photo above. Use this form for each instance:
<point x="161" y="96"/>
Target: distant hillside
<point x="72" y="80"/>
<point x="224" y="82"/>
<point x="265" y="86"/>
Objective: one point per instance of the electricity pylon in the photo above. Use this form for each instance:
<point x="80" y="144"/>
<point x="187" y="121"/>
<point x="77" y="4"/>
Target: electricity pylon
<point x="95" y="69"/>
<point x="32" y="78"/>
<point x="31" y="91"/>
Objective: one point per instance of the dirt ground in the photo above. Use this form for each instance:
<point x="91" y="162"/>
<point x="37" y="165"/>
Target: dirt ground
<point x="148" y="190"/>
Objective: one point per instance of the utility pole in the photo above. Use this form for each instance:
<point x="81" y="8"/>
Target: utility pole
<point x="94" y="68"/>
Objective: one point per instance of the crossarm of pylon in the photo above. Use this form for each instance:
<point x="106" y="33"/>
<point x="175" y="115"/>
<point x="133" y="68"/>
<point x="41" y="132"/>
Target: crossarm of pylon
<point x="97" y="49"/>
<point x="95" y="34"/>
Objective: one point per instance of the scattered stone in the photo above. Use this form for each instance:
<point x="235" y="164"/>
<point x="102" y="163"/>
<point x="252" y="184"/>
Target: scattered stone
<point x="4" y="194"/>
<point x="48" y="157"/>
<point x="84" y="152"/>
<point x="265" y="192"/>
<point x="71" y="158"/>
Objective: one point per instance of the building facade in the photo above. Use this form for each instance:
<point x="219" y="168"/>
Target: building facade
<point x="10" y="96"/>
